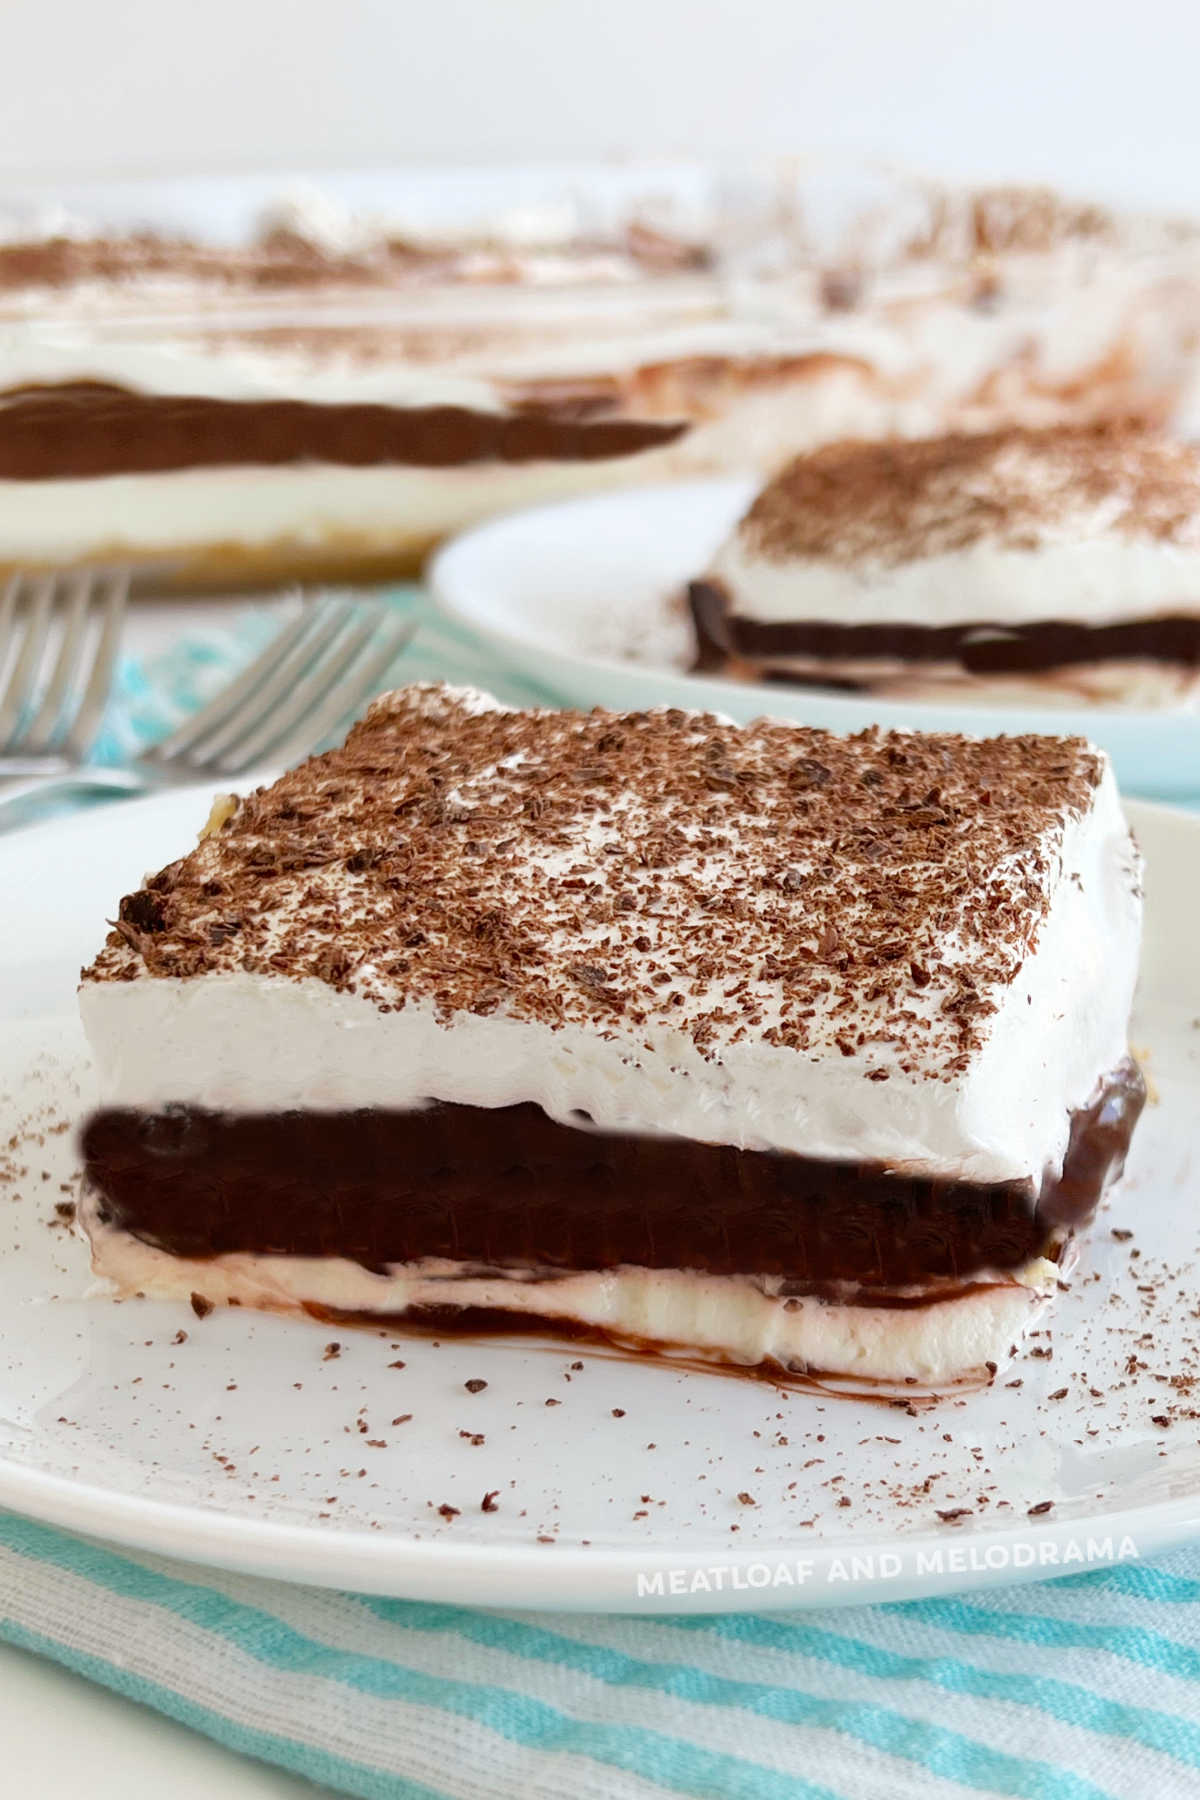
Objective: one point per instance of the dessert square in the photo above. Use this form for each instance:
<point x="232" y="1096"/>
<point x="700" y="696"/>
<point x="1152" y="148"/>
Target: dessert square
<point x="754" y="1043"/>
<point x="1058" y="565"/>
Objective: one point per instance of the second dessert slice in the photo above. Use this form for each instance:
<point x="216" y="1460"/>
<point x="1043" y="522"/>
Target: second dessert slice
<point x="1048" y="567"/>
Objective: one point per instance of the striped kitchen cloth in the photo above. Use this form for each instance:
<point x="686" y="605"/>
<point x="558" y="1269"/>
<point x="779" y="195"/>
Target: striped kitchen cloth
<point x="154" y="693"/>
<point x="1087" y="1688"/>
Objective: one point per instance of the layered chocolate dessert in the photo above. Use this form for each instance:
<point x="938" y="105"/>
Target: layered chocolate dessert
<point x="757" y="1043"/>
<point x="1057" y="566"/>
<point x="330" y="394"/>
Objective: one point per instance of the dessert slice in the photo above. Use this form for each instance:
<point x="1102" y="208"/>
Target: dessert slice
<point x="757" y="1043"/>
<point x="1059" y="565"/>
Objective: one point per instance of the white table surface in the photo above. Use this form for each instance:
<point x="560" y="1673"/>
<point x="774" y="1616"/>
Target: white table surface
<point x="63" y="1737"/>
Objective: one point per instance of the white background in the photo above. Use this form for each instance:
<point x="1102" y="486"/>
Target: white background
<point x="1100" y="97"/>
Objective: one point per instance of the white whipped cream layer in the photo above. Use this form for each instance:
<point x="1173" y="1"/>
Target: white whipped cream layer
<point x="258" y="1043"/>
<point x="731" y="1319"/>
<point x="1058" y="315"/>
<point x="1085" y="579"/>
<point x="314" y="507"/>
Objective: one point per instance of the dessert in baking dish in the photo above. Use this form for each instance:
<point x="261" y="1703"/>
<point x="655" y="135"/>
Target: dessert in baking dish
<point x="333" y="401"/>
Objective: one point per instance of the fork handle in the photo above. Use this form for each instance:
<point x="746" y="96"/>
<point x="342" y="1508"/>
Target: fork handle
<point x="112" y="781"/>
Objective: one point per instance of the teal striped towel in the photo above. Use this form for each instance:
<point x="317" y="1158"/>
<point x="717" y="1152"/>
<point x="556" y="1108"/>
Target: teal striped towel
<point x="1087" y="1688"/>
<point x="153" y="694"/>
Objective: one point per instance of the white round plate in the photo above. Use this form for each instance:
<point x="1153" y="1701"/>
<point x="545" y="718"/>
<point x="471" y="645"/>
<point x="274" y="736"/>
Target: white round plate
<point x="619" y="1483"/>
<point x="583" y="595"/>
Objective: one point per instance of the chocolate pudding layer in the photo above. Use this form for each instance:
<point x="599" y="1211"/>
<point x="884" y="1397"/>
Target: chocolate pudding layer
<point x="90" y="428"/>
<point x="510" y="1187"/>
<point x="983" y="648"/>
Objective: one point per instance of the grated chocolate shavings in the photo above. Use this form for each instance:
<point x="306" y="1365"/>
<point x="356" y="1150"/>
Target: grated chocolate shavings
<point x="836" y="895"/>
<point x="894" y="502"/>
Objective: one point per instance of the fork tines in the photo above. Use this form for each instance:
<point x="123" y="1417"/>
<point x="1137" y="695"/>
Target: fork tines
<point x="308" y="681"/>
<point x="59" y="634"/>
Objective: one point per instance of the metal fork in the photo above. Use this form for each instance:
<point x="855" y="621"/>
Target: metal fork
<point x="49" y="720"/>
<point x="308" y="680"/>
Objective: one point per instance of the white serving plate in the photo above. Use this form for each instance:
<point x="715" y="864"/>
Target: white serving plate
<point x="242" y="1446"/>
<point x="580" y="595"/>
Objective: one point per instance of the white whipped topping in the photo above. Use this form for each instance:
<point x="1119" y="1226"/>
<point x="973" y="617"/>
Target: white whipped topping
<point x="169" y="334"/>
<point x="180" y="366"/>
<point x="1059" y="316"/>
<point x="1091" y="576"/>
<point x="257" y="1043"/>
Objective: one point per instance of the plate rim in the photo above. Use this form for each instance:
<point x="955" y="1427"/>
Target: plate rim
<point x="573" y="1578"/>
<point x="561" y="1577"/>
